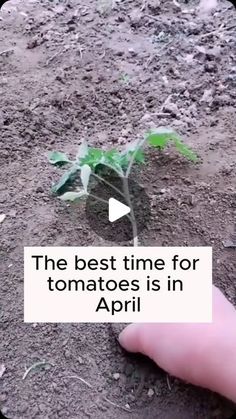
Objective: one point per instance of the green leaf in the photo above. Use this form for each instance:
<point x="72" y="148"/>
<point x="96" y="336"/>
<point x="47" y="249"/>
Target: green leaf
<point x="58" y="158"/>
<point x="66" y="179"/>
<point x="112" y="157"/>
<point x="73" y="196"/>
<point x="185" y="150"/>
<point x="161" y="137"/>
<point x="96" y="157"/>
<point x="85" y="176"/>
<point x="139" y="157"/>
<point x="93" y="158"/>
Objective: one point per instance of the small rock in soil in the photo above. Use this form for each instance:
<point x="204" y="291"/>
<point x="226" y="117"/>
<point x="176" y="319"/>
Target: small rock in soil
<point x="4" y="410"/>
<point x="150" y="392"/>
<point x="2" y="218"/>
<point x="135" y="17"/>
<point x="3" y="397"/>
<point x="171" y="108"/>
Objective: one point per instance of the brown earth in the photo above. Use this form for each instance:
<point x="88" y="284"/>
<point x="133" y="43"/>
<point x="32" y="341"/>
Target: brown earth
<point x="108" y="71"/>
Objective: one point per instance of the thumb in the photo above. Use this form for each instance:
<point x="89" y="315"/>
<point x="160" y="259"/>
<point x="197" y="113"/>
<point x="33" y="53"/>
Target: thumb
<point x="131" y="338"/>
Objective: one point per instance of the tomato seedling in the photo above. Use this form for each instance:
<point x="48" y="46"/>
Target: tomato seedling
<point x="121" y="162"/>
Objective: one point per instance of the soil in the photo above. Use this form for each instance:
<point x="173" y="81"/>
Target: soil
<point x="108" y="71"/>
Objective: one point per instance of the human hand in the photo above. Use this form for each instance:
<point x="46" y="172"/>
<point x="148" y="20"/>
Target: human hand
<point x="201" y="354"/>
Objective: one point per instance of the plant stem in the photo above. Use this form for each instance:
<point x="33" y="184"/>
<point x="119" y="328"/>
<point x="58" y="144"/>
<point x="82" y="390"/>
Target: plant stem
<point x="109" y="184"/>
<point x="98" y="198"/>
<point x="132" y="218"/>
<point x="131" y="162"/>
<point x="127" y="192"/>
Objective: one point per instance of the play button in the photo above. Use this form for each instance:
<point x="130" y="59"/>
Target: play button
<point x="117" y="210"/>
<point x="108" y="211"/>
